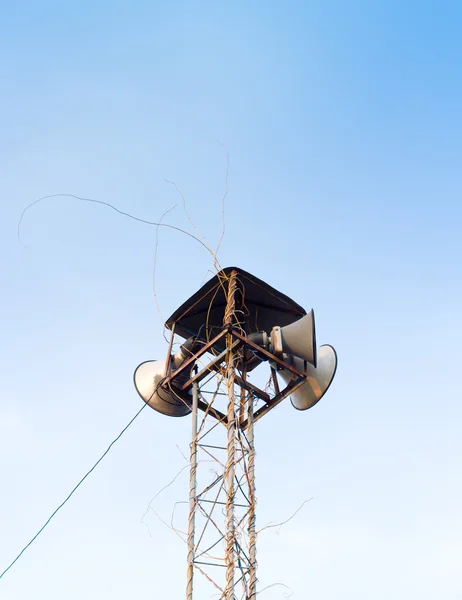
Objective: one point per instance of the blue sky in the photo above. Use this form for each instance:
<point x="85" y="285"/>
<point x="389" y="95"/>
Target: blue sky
<point x="343" y="125"/>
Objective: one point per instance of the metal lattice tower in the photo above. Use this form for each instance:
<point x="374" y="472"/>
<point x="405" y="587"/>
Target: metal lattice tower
<point x="221" y="527"/>
<point x="210" y="379"/>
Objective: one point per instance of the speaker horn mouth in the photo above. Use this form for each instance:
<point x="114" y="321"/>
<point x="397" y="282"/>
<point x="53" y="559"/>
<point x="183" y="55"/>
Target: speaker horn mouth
<point x="297" y="339"/>
<point x="169" y="400"/>
<point x="318" y="379"/>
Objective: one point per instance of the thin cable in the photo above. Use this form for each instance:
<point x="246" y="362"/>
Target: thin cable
<point x="223" y="224"/>
<point x="154" y="267"/>
<point x="112" y="207"/>
<point x="73" y="491"/>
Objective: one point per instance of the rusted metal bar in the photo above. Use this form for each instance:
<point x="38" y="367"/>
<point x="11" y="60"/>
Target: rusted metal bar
<point x="275" y="380"/>
<point x="212" y="366"/>
<point x="250" y="387"/>
<point x="188" y="363"/>
<point x="290" y="389"/>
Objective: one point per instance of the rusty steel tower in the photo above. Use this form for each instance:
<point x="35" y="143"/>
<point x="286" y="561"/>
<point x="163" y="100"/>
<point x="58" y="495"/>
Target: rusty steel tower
<point x="234" y="324"/>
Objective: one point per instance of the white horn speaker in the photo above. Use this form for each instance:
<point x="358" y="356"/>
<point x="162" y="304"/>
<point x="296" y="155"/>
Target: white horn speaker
<point x="169" y="400"/>
<point x="318" y="379"/>
<point x="298" y="339"/>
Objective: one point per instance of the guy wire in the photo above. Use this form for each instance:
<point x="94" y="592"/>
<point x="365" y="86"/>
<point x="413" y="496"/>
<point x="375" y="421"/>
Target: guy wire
<point x="73" y="491"/>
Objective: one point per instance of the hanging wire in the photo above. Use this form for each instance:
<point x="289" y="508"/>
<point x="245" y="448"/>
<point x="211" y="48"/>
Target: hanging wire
<point x="76" y="487"/>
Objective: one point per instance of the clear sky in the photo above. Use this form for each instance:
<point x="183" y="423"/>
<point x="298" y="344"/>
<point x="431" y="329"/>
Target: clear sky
<point x="343" y="124"/>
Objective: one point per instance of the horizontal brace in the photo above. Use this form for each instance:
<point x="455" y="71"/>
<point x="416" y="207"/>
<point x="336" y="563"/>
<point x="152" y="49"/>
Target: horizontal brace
<point x="224" y="503"/>
<point x="290" y="389"/>
<point x="209" y="446"/>
<point x="206" y="370"/>
<point x="249" y="387"/>
<point x="199" y="562"/>
<point x="193" y="358"/>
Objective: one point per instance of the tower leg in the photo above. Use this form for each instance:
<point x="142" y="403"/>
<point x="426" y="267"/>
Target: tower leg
<point x="221" y="528"/>
<point x="252" y="503"/>
<point x="192" y="495"/>
<point x="230" y="474"/>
